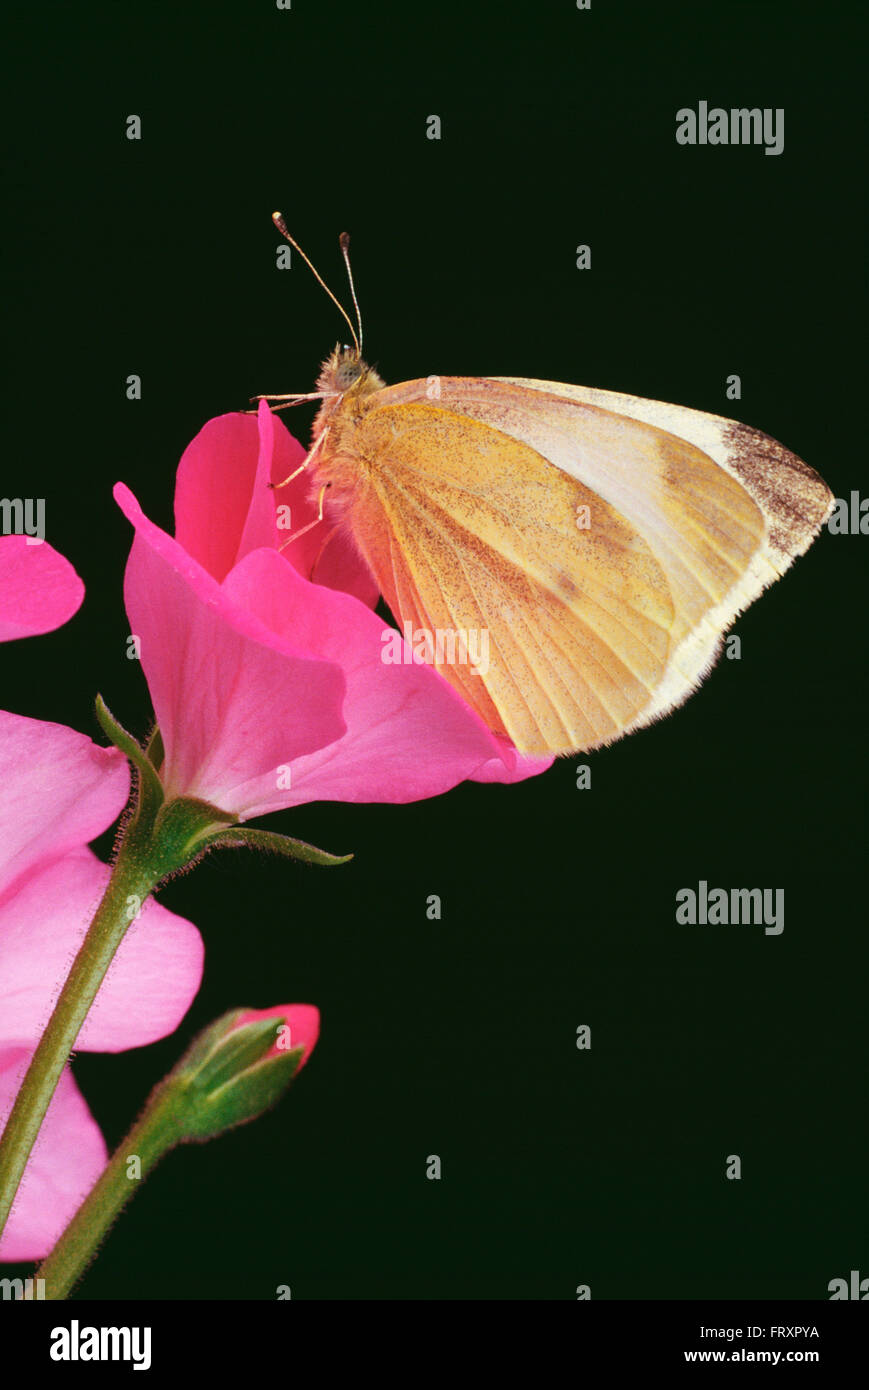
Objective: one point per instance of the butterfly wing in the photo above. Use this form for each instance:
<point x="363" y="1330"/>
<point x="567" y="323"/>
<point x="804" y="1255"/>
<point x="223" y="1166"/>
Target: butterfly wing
<point x="795" y="501"/>
<point x="632" y="452"/>
<point x="601" y="552"/>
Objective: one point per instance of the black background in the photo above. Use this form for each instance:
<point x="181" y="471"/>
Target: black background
<point x="457" y="1037"/>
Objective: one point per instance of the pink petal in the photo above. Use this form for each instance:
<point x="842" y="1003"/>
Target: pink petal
<point x="66" y="1161"/>
<point x="39" y="589"/>
<point x="216" y="502"/>
<point x="409" y="734"/>
<point x="326" y="554"/>
<point x="515" y="768"/>
<point x="59" y="790"/>
<point x="224" y="506"/>
<point x="235" y="703"/>
<point x="332" y="557"/>
<point x="303" y="1021"/>
<point x="149" y="986"/>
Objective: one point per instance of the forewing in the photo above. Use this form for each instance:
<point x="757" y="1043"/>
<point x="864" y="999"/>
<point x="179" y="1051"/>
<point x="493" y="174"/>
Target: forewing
<point x="471" y="531"/>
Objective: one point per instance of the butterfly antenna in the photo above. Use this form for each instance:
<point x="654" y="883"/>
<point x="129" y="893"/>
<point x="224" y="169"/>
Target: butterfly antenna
<point x="344" y="239"/>
<point x="281" y="225"/>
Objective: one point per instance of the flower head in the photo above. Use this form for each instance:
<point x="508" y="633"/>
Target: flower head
<point x="265" y="664"/>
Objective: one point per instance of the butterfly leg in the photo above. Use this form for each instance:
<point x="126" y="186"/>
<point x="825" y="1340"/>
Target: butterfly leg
<point x="306" y="462"/>
<point x="290" y="399"/>
<point x="311" y="524"/>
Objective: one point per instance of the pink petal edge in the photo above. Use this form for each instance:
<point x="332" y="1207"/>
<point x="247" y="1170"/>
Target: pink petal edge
<point x="39" y="589"/>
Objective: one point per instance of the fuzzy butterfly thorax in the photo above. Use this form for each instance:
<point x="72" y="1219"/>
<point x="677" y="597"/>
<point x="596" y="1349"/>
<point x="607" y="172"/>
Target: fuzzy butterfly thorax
<point x="347" y="382"/>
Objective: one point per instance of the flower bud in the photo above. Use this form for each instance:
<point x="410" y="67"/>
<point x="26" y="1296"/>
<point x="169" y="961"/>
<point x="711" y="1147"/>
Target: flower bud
<point x="239" y="1066"/>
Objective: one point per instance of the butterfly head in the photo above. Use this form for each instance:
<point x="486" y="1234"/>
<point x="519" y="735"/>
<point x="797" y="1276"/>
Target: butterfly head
<point x="345" y="371"/>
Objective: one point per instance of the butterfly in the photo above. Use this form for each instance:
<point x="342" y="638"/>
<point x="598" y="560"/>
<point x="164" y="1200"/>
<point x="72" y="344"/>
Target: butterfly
<point x="603" y="543"/>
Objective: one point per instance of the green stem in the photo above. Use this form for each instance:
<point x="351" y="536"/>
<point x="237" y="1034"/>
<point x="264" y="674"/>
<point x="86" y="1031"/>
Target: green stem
<point x="134" y="876"/>
<point x="161" y="838"/>
<point x="230" y="1073"/>
<point x="151" y="1137"/>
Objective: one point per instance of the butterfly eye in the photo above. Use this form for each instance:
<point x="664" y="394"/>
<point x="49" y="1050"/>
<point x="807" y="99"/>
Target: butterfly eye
<point x="348" y="371"/>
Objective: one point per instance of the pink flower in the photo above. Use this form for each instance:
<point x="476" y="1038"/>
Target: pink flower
<point x="59" y="790"/>
<point x="269" y="689"/>
<point x="39" y="589"/>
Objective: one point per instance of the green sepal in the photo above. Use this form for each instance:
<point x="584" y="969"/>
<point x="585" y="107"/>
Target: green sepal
<point x="222" y="1047"/>
<point x="185" y="827"/>
<point x="241" y="837"/>
<point x="248" y="1096"/>
<point x="151" y="795"/>
<point x="154" y="748"/>
<point x="225" y="1078"/>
